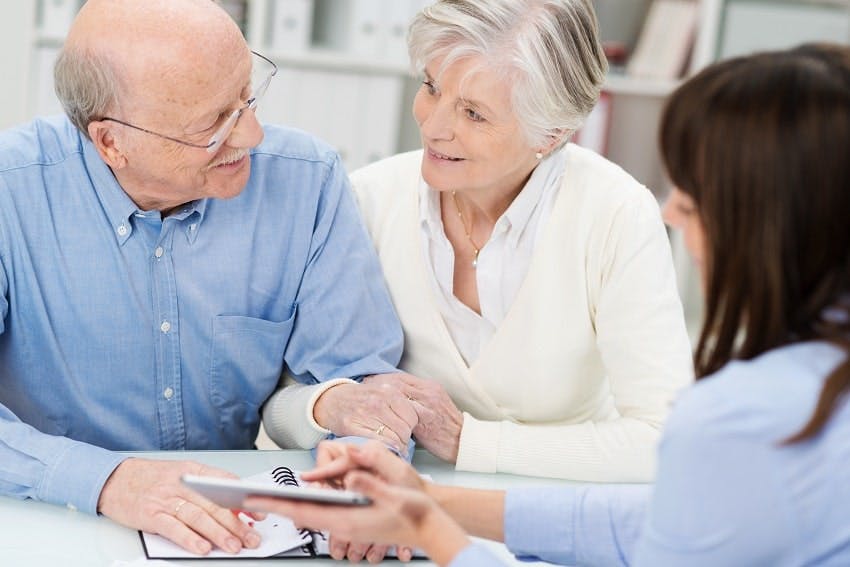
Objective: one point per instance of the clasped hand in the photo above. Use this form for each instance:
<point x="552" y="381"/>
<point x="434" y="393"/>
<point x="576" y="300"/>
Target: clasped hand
<point x="392" y="407"/>
<point x="147" y="495"/>
<point x="375" y="409"/>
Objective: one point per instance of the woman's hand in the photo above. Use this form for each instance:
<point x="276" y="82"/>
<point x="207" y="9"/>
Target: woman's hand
<point x="334" y="460"/>
<point x="397" y="515"/>
<point x="440" y="421"/>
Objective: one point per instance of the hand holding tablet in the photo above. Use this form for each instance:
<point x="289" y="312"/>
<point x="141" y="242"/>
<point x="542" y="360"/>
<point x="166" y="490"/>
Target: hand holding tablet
<point x="230" y="493"/>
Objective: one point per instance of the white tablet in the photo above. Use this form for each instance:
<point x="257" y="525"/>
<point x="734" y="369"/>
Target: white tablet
<point x="232" y="492"/>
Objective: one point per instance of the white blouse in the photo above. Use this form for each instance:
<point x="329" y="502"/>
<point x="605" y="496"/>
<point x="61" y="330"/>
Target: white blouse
<point x="502" y="262"/>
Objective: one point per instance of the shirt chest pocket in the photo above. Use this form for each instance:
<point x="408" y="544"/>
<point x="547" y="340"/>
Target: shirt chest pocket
<point x="245" y="366"/>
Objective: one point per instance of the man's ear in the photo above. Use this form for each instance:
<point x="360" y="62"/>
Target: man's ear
<point x="100" y="132"/>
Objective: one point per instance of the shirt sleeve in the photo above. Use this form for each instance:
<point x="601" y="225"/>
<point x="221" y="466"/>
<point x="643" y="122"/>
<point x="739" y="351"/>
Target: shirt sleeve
<point x="575" y="525"/>
<point x="641" y="338"/>
<point x="290" y="428"/>
<point x="288" y="414"/>
<point x="46" y="467"/>
<point x="52" y="469"/>
<point x="475" y="555"/>
<point x="345" y="325"/>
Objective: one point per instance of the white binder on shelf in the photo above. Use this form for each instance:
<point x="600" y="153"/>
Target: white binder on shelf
<point x="665" y="41"/>
<point x="238" y="11"/>
<point x="44" y="101"/>
<point x="323" y="103"/>
<point x="378" y="124"/>
<point x="759" y="26"/>
<point x="56" y="17"/>
<point x="350" y="26"/>
<point x="290" y="26"/>
<point x="399" y="15"/>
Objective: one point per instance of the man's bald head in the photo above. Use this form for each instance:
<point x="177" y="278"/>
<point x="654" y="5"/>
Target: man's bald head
<point x="117" y="47"/>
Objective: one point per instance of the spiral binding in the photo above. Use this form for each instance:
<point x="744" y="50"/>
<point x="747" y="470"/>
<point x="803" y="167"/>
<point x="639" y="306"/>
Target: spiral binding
<point x="284" y="475"/>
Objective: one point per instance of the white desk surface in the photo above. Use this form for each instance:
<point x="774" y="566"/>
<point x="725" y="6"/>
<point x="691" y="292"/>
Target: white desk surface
<point x="34" y="534"/>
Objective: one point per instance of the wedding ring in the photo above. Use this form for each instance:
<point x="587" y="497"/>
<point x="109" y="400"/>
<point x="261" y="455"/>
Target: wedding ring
<point x="380" y="429"/>
<point x="177" y="508"/>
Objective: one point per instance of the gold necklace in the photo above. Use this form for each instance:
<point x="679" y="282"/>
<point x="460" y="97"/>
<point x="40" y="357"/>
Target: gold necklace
<point x="475" y="247"/>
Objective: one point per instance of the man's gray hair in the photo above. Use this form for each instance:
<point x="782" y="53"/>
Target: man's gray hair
<point x="85" y="84"/>
<point x="547" y="50"/>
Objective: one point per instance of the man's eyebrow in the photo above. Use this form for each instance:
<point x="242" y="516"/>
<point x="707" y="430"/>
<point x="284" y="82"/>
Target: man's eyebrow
<point x="209" y="118"/>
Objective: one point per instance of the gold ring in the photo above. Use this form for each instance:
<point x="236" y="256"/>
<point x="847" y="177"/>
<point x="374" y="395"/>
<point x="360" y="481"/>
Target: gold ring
<point x="380" y="429"/>
<point x="177" y="508"/>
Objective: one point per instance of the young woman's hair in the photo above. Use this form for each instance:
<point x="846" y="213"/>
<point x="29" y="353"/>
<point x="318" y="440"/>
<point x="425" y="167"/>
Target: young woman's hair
<point x="762" y="146"/>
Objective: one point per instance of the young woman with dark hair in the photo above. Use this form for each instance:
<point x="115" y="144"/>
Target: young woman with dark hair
<point x="755" y="458"/>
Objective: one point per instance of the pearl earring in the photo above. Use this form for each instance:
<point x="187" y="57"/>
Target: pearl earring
<point x="539" y="155"/>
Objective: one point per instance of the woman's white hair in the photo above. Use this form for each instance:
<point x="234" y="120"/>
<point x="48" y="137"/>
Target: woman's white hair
<point x="547" y="50"/>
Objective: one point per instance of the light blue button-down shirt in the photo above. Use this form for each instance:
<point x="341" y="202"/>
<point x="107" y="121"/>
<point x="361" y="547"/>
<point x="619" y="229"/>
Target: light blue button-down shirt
<point x="122" y="330"/>
<point x="727" y="493"/>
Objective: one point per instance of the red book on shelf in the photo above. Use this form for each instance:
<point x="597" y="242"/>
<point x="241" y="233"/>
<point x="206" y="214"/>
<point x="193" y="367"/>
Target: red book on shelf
<point x="593" y="134"/>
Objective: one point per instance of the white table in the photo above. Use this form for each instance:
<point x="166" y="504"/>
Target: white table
<point x="35" y="534"/>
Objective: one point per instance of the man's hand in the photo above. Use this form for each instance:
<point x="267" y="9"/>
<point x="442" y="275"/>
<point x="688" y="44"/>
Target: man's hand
<point x="148" y="495"/>
<point x="375" y="409"/>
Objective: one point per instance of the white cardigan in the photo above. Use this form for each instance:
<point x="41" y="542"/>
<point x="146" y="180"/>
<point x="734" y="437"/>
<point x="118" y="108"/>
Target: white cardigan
<point x="578" y="379"/>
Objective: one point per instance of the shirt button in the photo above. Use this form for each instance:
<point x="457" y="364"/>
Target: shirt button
<point x="192" y="226"/>
<point x="158" y="252"/>
<point x="168" y="393"/>
<point x="165" y="327"/>
<point x="122" y="230"/>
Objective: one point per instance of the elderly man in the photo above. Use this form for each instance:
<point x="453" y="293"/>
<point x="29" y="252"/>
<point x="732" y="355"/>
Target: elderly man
<point x="160" y="269"/>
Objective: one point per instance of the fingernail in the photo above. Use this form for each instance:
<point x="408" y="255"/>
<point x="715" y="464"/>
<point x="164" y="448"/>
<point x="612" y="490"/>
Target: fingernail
<point x="354" y="556"/>
<point x="252" y="539"/>
<point x="203" y="547"/>
<point x="233" y="545"/>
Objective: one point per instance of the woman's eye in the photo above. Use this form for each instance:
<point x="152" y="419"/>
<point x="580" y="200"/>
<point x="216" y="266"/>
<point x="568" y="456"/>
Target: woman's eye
<point x="474" y="116"/>
<point x="429" y="86"/>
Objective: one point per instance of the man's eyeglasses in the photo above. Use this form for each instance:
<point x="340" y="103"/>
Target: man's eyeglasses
<point x="223" y="131"/>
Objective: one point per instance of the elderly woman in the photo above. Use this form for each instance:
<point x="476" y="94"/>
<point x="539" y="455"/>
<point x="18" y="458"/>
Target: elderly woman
<point x="755" y="458"/>
<point x="533" y="279"/>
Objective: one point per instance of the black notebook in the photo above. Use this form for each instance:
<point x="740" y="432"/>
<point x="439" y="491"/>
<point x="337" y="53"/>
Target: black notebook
<point x="281" y="539"/>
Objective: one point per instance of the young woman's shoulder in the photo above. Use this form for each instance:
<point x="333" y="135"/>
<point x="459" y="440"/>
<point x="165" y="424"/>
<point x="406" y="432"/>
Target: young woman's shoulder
<point x="771" y="396"/>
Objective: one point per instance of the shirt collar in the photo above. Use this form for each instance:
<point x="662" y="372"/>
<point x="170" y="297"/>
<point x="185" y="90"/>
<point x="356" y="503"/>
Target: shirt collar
<point x="518" y="215"/>
<point x="546" y="175"/>
<point x="118" y="205"/>
<point x="430" y="216"/>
